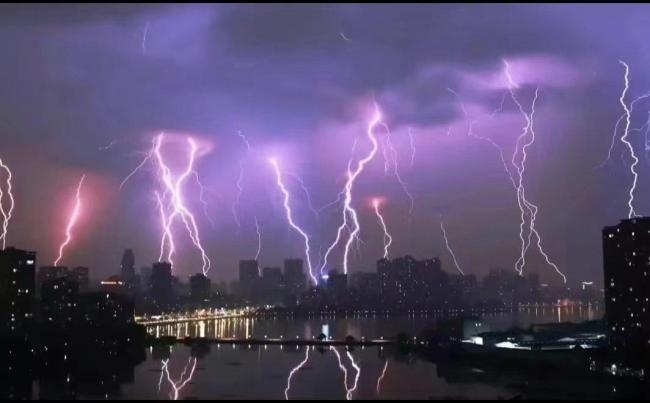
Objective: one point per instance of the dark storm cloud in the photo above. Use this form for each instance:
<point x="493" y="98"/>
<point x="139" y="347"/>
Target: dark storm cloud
<point x="295" y="79"/>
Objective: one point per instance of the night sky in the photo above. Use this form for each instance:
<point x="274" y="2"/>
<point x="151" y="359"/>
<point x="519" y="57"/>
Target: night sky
<point x="84" y="89"/>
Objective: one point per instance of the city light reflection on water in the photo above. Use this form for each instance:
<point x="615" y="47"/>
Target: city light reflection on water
<point x="358" y="326"/>
<point x="250" y="371"/>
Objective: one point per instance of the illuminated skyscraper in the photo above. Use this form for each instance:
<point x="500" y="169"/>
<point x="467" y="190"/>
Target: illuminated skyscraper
<point x="626" y="253"/>
<point x="17" y="286"/>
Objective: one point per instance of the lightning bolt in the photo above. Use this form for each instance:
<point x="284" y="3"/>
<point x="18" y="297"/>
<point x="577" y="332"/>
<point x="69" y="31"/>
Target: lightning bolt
<point x="624" y="140"/>
<point x="348" y="211"/>
<point x="382" y="376"/>
<point x="293" y="372"/>
<point x="177" y="209"/>
<point x="412" y="145"/>
<point x="388" y="239"/>
<point x="145" y="32"/>
<point x="6" y="214"/>
<point x="289" y="213"/>
<point x="302" y="185"/>
<point x="204" y="202"/>
<point x="142" y="163"/>
<point x="178" y="386"/>
<point x="258" y="230"/>
<point x="349" y="390"/>
<point x="390" y="150"/>
<point x="72" y="220"/>
<point x="240" y="179"/>
<point x="525" y="140"/>
<point x="449" y="249"/>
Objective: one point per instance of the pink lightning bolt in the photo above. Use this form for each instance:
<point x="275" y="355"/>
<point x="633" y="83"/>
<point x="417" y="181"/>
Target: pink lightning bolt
<point x="177" y="208"/>
<point x="388" y="239"/>
<point x="289" y="213"/>
<point x="6" y="215"/>
<point x="293" y="372"/>
<point x="348" y="210"/>
<point x="74" y="216"/>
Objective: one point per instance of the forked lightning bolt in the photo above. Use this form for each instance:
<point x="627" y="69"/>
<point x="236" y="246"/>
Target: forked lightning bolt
<point x="176" y="207"/>
<point x="287" y="208"/>
<point x="179" y="385"/>
<point x="624" y="140"/>
<point x="293" y="372"/>
<point x="525" y="140"/>
<point x="6" y="214"/>
<point x="388" y="239"/>
<point x="72" y="220"/>
<point x="349" y="213"/>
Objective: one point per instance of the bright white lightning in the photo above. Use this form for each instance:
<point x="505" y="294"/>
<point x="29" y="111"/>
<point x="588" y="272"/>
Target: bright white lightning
<point x="349" y="390"/>
<point x="525" y="140"/>
<point x="289" y="214"/>
<point x="388" y="239"/>
<point x="178" y="386"/>
<point x="348" y="211"/>
<point x="624" y="140"/>
<point x="74" y="216"/>
<point x="6" y="214"/>
<point x="449" y="249"/>
<point x="293" y="371"/>
<point x="174" y="188"/>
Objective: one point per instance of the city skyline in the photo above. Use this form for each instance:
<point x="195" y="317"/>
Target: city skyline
<point x="305" y="95"/>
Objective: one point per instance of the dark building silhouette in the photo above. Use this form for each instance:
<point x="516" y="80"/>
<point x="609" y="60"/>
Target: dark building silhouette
<point x="364" y="290"/>
<point x="337" y="285"/>
<point x="113" y="284"/>
<point x="406" y="283"/>
<point x="626" y="262"/>
<point x="200" y="290"/>
<point x="59" y="300"/>
<point x="46" y="273"/>
<point x="17" y="288"/>
<point x="294" y="275"/>
<point x="249" y="279"/>
<point x="105" y="310"/>
<point x="80" y="276"/>
<point x="271" y="284"/>
<point x="161" y="286"/>
<point x="129" y="277"/>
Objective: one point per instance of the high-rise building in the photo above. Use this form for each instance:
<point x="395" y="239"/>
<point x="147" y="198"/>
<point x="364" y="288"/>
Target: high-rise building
<point x="200" y="289"/>
<point x="46" y="273"/>
<point x="249" y="278"/>
<point x="59" y="299"/>
<point x="271" y="284"/>
<point x="80" y="276"/>
<point x="407" y="283"/>
<point x="17" y="288"/>
<point x="626" y="253"/>
<point x="161" y="286"/>
<point x="127" y="266"/>
<point x="337" y="285"/>
<point x="294" y="276"/>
